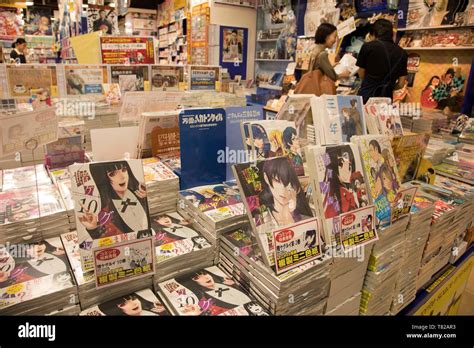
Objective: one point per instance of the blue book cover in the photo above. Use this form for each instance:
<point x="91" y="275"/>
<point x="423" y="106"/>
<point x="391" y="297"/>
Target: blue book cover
<point x="235" y="151"/>
<point x="203" y="132"/>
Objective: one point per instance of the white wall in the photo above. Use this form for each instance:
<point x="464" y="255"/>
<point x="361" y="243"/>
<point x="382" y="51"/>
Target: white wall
<point x="238" y="17"/>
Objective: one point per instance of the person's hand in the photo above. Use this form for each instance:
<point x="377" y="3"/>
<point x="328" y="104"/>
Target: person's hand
<point x="141" y="192"/>
<point x="88" y="220"/>
<point x="344" y="74"/>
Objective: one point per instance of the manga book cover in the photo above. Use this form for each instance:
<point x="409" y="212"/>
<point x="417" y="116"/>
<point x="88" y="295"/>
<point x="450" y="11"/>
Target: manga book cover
<point x="216" y="201"/>
<point x="389" y="121"/>
<point x="139" y="303"/>
<point x="244" y="241"/>
<point x="25" y="177"/>
<point x="161" y="129"/>
<point x="174" y="236"/>
<point x="273" y="197"/>
<point x="409" y="151"/>
<point x="110" y="200"/>
<point x="352" y="116"/>
<point x="32" y="270"/>
<point x="373" y="108"/>
<point x="297" y="108"/>
<point x="166" y="78"/>
<point x="381" y="173"/>
<point x="208" y="292"/>
<point x="455" y="186"/>
<point x="19" y="205"/>
<point x="339" y="178"/>
<point x="71" y="247"/>
<point x="155" y="170"/>
<point x="275" y="138"/>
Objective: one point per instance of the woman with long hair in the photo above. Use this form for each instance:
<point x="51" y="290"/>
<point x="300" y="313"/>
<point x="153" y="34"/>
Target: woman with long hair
<point x="427" y="100"/>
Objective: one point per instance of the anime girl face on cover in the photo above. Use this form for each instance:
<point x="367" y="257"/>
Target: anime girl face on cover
<point x="171" y="227"/>
<point x="211" y="197"/>
<point x="34" y="261"/>
<point x="110" y="199"/>
<point x="206" y="292"/>
<point x="381" y="172"/>
<point x="140" y="303"/>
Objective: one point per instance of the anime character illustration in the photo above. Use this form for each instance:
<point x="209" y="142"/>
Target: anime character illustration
<point x="193" y="197"/>
<point x="75" y="83"/>
<point x="427" y="98"/>
<point x="310" y="239"/>
<point x="260" y="141"/>
<point x="216" y="293"/>
<point x="348" y="125"/>
<point x="448" y="94"/>
<point x="281" y="192"/>
<point x="200" y="242"/>
<point x="254" y="309"/>
<point x="276" y="144"/>
<point x="389" y="161"/>
<point x="426" y="13"/>
<point x="375" y="153"/>
<point x="231" y="193"/>
<point x="123" y="202"/>
<point x="170" y="228"/>
<point x="233" y="45"/>
<point x="292" y="148"/>
<point x="134" y="304"/>
<point x="367" y="224"/>
<point x="358" y="185"/>
<point x="337" y="188"/>
<point x="41" y="259"/>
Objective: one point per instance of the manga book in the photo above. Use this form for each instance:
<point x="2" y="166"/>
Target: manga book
<point x="337" y="176"/>
<point x="273" y="197"/>
<point x="159" y="131"/>
<point x="22" y="177"/>
<point x="372" y="109"/>
<point x="218" y="202"/>
<point x="71" y="247"/>
<point x="139" y="303"/>
<point x="174" y="236"/>
<point x="274" y="138"/>
<point x="409" y="151"/>
<point x="30" y="271"/>
<point x="155" y="170"/>
<point x="389" y="120"/>
<point x="297" y="108"/>
<point x="381" y="173"/>
<point x="21" y="205"/>
<point x="110" y="200"/>
<point x="208" y="292"/>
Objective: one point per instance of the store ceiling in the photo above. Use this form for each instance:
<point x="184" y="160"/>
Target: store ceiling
<point x="148" y="4"/>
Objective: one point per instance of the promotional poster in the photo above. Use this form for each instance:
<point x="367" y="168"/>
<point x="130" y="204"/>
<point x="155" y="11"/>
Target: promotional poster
<point x="203" y="78"/>
<point x="166" y="78"/>
<point x="130" y="78"/>
<point x="39" y="21"/>
<point x="24" y="80"/>
<point x="102" y="18"/>
<point x="296" y="244"/>
<point x="127" y="50"/>
<point x="85" y="79"/>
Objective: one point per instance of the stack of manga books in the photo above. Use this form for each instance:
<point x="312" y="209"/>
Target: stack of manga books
<point x="384" y="265"/>
<point x="209" y="292"/>
<point x="179" y="247"/>
<point x="347" y="277"/>
<point x="162" y="186"/>
<point x="139" y="303"/>
<point x="36" y="280"/>
<point x="302" y="290"/>
<point x="213" y="209"/>
<point x="31" y="206"/>
<point x="158" y="133"/>
<point x="372" y="110"/>
<point x="211" y="99"/>
<point x="416" y="236"/>
<point x="88" y="293"/>
<point x="273" y="138"/>
<point x="62" y="179"/>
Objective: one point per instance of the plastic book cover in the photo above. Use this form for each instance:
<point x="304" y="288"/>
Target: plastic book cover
<point x="21" y="205"/>
<point x="171" y="227"/>
<point x="409" y="151"/>
<point x="23" y="177"/>
<point x="297" y="108"/>
<point x="32" y="270"/>
<point x="155" y="170"/>
<point x="208" y="292"/>
<point x="381" y="173"/>
<point x="139" y="303"/>
<point x="71" y="247"/>
<point x="110" y="200"/>
<point x="273" y="197"/>
<point x="389" y="121"/>
<point x="339" y="179"/>
<point x="352" y="117"/>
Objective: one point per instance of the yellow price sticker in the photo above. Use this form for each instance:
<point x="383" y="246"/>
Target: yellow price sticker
<point x="167" y="247"/>
<point x="182" y="86"/>
<point x="105" y="241"/>
<point x="218" y="86"/>
<point x="54" y="91"/>
<point x="146" y="86"/>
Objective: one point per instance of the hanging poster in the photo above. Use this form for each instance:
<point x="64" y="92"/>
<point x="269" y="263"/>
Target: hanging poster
<point x="102" y="18"/>
<point x="233" y="54"/>
<point x="200" y="19"/>
<point x="39" y="21"/>
<point x="11" y="24"/>
<point x="127" y="50"/>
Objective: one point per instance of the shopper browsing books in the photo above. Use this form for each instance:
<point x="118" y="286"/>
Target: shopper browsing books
<point x="17" y="55"/>
<point x="325" y="38"/>
<point x="382" y="63"/>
